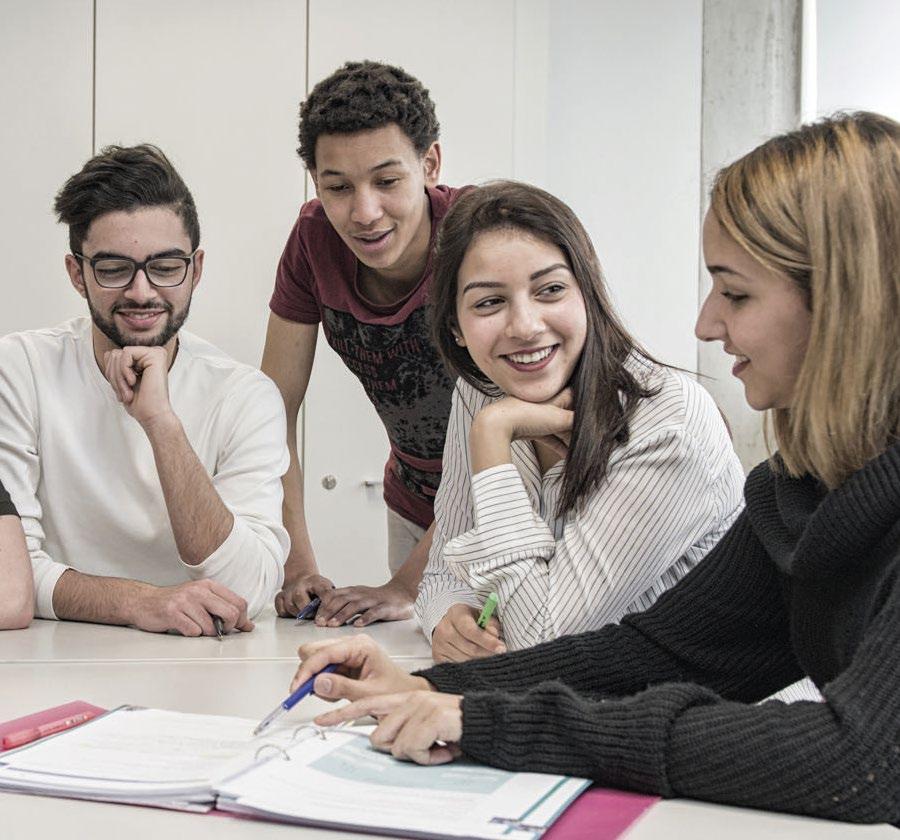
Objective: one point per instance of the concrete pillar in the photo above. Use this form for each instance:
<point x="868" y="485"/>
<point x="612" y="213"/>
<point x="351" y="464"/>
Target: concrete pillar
<point x="751" y="90"/>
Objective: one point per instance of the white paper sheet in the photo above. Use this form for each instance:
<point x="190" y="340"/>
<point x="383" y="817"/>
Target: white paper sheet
<point x="145" y="745"/>
<point x="457" y="799"/>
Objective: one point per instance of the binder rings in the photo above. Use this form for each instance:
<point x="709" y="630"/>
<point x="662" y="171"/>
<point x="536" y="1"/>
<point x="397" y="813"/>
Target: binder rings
<point x="303" y="775"/>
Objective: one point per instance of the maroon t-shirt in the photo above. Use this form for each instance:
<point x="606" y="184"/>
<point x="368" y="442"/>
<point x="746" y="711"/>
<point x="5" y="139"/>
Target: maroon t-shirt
<point x="386" y="347"/>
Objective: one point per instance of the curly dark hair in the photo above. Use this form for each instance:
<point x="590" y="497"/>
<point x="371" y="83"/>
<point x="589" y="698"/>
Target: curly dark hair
<point x="363" y="95"/>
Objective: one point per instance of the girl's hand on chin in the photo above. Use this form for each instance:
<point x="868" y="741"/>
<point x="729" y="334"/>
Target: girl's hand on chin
<point x="527" y="420"/>
<point x="509" y="419"/>
<point x="558" y="442"/>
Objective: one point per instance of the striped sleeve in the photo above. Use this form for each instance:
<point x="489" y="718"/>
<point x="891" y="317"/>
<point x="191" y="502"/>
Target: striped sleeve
<point x="440" y="589"/>
<point x="668" y="497"/>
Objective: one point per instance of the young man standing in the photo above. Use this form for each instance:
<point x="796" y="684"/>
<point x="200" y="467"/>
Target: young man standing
<point x="144" y="462"/>
<point x="359" y="261"/>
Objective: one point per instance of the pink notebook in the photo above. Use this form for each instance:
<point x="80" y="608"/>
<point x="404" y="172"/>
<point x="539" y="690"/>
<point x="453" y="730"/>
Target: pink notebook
<point x="46" y="716"/>
<point x="599" y="814"/>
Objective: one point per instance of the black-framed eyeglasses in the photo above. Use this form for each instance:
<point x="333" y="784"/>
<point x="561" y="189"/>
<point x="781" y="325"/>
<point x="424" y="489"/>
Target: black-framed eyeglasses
<point x="119" y="272"/>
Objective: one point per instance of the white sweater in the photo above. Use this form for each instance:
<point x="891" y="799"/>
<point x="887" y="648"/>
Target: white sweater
<point x="670" y="493"/>
<point x="82" y="475"/>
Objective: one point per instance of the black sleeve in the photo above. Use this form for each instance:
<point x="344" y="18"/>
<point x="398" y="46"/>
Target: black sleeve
<point x="722" y="626"/>
<point x="839" y="759"/>
<point x="7" y="508"/>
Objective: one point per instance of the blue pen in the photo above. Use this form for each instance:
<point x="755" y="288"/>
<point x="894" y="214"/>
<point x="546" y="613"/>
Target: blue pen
<point x="310" y="610"/>
<point x="292" y="700"/>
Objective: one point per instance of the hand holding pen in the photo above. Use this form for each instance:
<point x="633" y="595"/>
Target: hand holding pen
<point x="465" y="633"/>
<point x="365" y="669"/>
<point x="186" y="608"/>
<point x="290" y="701"/>
<point x="487" y="611"/>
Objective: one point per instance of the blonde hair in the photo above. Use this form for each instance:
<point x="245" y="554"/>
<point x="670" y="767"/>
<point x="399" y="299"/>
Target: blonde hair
<point x="822" y="205"/>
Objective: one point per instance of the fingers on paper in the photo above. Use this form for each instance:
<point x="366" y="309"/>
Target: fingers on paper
<point x="411" y="725"/>
<point x="377" y="706"/>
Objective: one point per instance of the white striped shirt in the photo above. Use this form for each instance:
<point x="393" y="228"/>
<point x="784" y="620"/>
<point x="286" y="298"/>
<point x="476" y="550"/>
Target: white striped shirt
<point x="670" y="493"/>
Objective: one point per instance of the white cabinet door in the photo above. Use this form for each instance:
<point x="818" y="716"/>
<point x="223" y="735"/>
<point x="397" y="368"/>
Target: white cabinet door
<point x="45" y="135"/>
<point x="216" y="84"/>
<point x="463" y="52"/>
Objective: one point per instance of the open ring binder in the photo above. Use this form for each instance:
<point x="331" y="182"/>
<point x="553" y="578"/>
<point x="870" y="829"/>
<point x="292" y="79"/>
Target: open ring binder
<point x="309" y="775"/>
<point x="319" y="732"/>
<point x="264" y="747"/>
<point x="316" y="732"/>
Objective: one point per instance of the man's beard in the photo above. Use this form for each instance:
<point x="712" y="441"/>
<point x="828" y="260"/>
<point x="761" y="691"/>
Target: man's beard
<point x="174" y="322"/>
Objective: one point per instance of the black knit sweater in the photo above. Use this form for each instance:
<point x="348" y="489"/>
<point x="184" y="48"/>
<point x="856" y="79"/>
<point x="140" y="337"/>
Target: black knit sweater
<point x="804" y="583"/>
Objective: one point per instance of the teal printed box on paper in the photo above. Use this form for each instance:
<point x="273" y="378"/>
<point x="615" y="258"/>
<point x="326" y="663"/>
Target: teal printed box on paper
<point x="356" y="761"/>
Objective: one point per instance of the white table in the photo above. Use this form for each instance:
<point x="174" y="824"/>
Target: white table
<point x="241" y="688"/>
<point x="273" y="638"/>
<point x="28" y="818"/>
<point x="246" y="675"/>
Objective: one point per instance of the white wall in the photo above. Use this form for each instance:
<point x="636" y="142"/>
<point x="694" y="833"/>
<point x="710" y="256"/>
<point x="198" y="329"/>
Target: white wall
<point x="858" y="56"/>
<point x="623" y="149"/>
<point x="45" y="136"/>
<point x="217" y="85"/>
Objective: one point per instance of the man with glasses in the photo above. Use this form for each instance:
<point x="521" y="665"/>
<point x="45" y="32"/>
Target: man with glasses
<point x="144" y="462"/>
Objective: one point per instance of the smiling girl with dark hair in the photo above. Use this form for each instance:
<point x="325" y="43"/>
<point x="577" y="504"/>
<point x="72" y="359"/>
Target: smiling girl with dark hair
<point x="581" y="478"/>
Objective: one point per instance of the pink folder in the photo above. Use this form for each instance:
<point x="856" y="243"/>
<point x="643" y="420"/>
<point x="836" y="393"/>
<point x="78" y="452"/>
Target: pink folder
<point x="46" y="716"/>
<point x="599" y="814"/>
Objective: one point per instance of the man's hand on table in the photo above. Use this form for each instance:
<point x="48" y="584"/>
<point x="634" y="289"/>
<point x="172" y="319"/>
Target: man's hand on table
<point x="188" y="608"/>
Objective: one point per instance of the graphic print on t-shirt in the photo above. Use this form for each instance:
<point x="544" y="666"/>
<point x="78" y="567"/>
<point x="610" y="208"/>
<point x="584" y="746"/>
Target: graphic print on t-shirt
<point x="404" y="378"/>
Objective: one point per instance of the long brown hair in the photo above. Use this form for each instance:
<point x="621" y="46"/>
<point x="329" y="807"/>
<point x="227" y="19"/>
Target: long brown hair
<point x="605" y="392"/>
<point x="822" y="205"/>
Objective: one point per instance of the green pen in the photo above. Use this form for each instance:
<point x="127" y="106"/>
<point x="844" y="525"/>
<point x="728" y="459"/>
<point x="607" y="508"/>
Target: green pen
<point x="489" y="606"/>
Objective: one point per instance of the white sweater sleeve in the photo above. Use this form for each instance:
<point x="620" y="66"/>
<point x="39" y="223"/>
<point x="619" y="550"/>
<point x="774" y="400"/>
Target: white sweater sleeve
<point x="440" y="589"/>
<point x="658" y="499"/>
<point x="252" y="458"/>
<point x="20" y="465"/>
